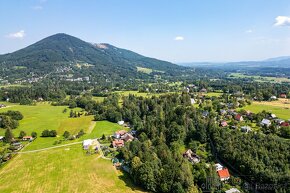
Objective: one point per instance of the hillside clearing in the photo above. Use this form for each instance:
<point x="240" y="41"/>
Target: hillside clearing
<point x="66" y="169"/>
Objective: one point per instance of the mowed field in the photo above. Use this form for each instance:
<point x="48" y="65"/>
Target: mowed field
<point x="44" y="116"/>
<point x="280" y="108"/>
<point x="66" y="169"/>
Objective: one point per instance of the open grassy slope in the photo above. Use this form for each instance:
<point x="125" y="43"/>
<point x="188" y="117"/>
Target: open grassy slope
<point x="66" y="169"/>
<point x="44" y="116"/>
<point x="279" y="111"/>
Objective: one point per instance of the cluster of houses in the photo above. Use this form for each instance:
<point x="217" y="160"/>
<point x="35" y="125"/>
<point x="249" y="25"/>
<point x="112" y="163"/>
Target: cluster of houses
<point x="121" y="137"/>
<point x="265" y="122"/>
<point x="191" y="156"/>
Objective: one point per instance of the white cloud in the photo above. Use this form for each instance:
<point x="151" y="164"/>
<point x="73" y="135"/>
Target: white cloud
<point x="37" y="7"/>
<point x="249" y="31"/>
<point x="179" y="38"/>
<point x="282" y="21"/>
<point x="17" y="35"/>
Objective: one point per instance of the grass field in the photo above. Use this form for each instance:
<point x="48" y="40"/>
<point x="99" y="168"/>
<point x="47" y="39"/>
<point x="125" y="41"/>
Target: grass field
<point x="66" y="169"/>
<point x="279" y="111"/>
<point x="44" y="116"/>
<point x="260" y="78"/>
<point x="212" y="94"/>
<point x="144" y="70"/>
<point x="104" y="127"/>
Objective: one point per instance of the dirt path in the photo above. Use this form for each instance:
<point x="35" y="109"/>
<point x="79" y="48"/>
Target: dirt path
<point x="92" y="126"/>
<point x="48" y="148"/>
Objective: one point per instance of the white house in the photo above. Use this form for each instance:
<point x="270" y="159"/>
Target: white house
<point x="87" y="143"/>
<point x="218" y="166"/>
<point x="192" y="101"/>
<point x="121" y="122"/>
<point x="246" y="129"/>
<point x="265" y="122"/>
<point x="1" y="138"/>
<point x="233" y="190"/>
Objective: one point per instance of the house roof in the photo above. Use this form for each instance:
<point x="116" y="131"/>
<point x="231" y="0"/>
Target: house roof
<point x="118" y="142"/>
<point x="238" y="117"/>
<point x="266" y="121"/>
<point x="121" y="132"/>
<point x="27" y="137"/>
<point x="87" y="142"/>
<point x="224" y="173"/>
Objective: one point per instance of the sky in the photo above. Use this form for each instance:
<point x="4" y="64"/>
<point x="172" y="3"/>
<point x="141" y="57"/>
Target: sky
<point x="173" y="30"/>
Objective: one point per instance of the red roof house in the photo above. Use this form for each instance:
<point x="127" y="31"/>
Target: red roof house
<point x="239" y="117"/>
<point x="118" y="143"/>
<point x="283" y="96"/>
<point x="285" y="124"/>
<point x="224" y="174"/>
<point x="26" y="138"/>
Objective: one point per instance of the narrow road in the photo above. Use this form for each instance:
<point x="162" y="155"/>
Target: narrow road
<point x="48" y="148"/>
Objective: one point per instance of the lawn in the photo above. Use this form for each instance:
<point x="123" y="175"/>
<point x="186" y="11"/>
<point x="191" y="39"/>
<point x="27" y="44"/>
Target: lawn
<point x="144" y="70"/>
<point x="281" y="112"/>
<point x="105" y="127"/>
<point x="260" y="78"/>
<point x="66" y="169"/>
<point x="44" y="116"/>
<point x="214" y="94"/>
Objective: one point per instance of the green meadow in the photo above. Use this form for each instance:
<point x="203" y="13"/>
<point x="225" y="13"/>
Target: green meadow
<point x="283" y="113"/>
<point x="44" y="116"/>
<point x="66" y="169"/>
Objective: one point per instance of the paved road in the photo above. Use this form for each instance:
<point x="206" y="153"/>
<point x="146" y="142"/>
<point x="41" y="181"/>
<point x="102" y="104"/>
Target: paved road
<point x="48" y="148"/>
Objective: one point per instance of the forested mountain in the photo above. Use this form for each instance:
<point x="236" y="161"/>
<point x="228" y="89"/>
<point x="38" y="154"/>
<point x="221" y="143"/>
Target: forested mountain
<point x="62" y="50"/>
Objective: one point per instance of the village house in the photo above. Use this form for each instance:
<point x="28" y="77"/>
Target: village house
<point x="265" y="122"/>
<point x="224" y="124"/>
<point x="121" y="122"/>
<point x="285" y="124"/>
<point x="273" y="98"/>
<point x="27" y="138"/>
<point x="246" y="129"/>
<point x="2" y="105"/>
<point x="1" y="138"/>
<point x="192" y="101"/>
<point x="224" y="174"/>
<point x="87" y="143"/>
<point x="119" y="134"/>
<point x="283" y="96"/>
<point x="127" y="137"/>
<point x="232" y="190"/>
<point x="218" y="166"/>
<point x="239" y="117"/>
<point x="191" y="156"/>
<point x="273" y="116"/>
<point x="279" y="121"/>
<point x="203" y="90"/>
<point x="118" y="143"/>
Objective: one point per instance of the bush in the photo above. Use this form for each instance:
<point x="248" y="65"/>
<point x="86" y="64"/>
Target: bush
<point x="49" y="133"/>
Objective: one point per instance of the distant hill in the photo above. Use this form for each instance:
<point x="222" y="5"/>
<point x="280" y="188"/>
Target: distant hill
<point x="279" y="62"/>
<point x="62" y="50"/>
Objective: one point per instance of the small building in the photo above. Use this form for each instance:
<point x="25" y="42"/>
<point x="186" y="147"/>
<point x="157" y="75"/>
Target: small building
<point x="2" y="105"/>
<point x="203" y="90"/>
<point x="246" y="129"/>
<point x="191" y="156"/>
<point x="87" y="143"/>
<point x="118" y="143"/>
<point x="224" y="174"/>
<point x="273" y="116"/>
<point x="273" y="98"/>
<point x="218" y="166"/>
<point x="279" y="121"/>
<point x="27" y="138"/>
<point x="224" y="124"/>
<point x="285" y="124"/>
<point x="127" y="137"/>
<point x="192" y="101"/>
<point x="283" y="96"/>
<point x="1" y="138"/>
<point x="232" y="190"/>
<point x="239" y="117"/>
<point x="121" y="122"/>
<point x="265" y="122"/>
<point x="119" y="134"/>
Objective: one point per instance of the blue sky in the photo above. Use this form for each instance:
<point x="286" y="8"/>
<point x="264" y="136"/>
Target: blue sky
<point x="173" y="30"/>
